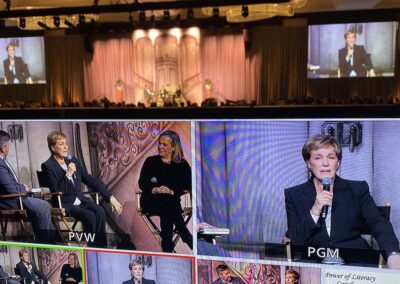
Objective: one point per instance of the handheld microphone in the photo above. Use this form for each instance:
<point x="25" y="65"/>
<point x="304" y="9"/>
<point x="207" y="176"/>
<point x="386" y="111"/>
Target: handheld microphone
<point x="69" y="158"/>
<point x="326" y="185"/>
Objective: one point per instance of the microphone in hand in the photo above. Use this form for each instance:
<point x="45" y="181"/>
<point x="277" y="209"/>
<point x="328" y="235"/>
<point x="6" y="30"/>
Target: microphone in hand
<point x="326" y="185"/>
<point x="69" y="158"/>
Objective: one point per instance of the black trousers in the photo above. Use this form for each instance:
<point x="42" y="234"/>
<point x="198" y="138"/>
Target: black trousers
<point x="169" y="209"/>
<point x="167" y="222"/>
<point x="93" y="218"/>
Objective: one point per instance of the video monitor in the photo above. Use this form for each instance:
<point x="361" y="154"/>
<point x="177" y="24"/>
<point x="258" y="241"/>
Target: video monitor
<point x="200" y="201"/>
<point x="103" y="184"/>
<point x="23" y="60"/>
<point x="104" y="267"/>
<point x="261" y="185"/>
<point x="351" y="50"/>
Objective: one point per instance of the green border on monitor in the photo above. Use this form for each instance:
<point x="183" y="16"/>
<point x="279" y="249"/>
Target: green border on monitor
<point x="44" y="246"/>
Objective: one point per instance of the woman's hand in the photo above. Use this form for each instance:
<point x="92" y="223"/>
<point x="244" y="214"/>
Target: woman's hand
<point x="394" y="261"/>
<point x="162" y="190"/>
<point x="323" y="198"/>
<point x="71" y="169"/>
<point x="115" y="205"/>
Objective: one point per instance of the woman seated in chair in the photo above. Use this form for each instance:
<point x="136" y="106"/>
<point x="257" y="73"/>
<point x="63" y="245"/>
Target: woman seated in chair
<point x="64" y="173"/>
<point x="71" y="272"/>
<point x="349" y="206"/>
<point x="163" y="179"/>
<point x="28" y="271"/>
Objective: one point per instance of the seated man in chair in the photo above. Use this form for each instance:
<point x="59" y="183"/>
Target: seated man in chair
<point x="5" y="278"/>
<point x="38" y="209"/>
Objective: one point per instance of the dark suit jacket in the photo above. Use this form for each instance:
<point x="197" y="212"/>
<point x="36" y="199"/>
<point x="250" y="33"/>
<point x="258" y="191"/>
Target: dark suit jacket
<point x="144" y="281"/>
<point x="8" y="184"/>
<point x="235" y="280"/>
<point x="29" y="277"/>
<point x="352" y="209"/>
<point x="21" y="71"/>
<point x="3" y="274"/>
<point x="57" y="181"/>
<point x="361" y="62"/>
<point x="5" y="277"/>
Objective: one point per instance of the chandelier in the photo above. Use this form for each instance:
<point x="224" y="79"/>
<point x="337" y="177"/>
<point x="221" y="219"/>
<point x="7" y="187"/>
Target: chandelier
<point x="255" y="12"/>
<point x="51" y="22"/>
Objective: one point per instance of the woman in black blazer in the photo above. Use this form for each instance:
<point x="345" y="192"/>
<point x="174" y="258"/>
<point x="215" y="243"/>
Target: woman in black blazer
<point x="136" y="268"/>
<point x="350" y="206"/>
<point x="64" y="173"/>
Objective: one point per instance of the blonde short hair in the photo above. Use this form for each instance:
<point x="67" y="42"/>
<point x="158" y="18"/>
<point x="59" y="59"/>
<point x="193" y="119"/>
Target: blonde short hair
<point x="53" y="137"/>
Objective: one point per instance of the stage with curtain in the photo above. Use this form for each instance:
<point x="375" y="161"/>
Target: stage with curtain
<point x="264" y="64"/>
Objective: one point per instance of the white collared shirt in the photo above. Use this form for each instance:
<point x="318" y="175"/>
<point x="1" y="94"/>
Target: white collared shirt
<point x="328" y="219"/>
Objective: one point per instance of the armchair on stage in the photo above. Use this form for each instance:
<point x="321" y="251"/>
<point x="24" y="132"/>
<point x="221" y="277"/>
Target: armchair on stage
<point x="22" y="280"/>
<point x="58" y="212"/>
<point x="150" y="223"/>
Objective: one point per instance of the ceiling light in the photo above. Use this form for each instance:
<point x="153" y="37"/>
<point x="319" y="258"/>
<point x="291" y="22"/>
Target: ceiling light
<point x="22" y="23"/>
<point x="57" y="21"/>
<point x="256" y="12"/>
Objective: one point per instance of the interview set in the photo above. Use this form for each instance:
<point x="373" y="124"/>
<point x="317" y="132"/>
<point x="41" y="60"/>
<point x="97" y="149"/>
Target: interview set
<point x="40" y="265"/>
<point x="124" y="185"/>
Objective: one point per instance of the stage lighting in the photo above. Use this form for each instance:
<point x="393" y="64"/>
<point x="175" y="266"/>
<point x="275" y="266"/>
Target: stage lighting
<point x="57" y="21"/>
<point x="82" y="19"/>
<point x="190" y="14"/>
<point x="215" y="12"/>
<point x="69" y="24"/>
<point x="166" y="15"/>
<point x="245" y="11"/>
<point x="22" y="23"/>
<point x="142" y="16"/>
<point x="8" y="5"/>
<point x="42" y="25"/>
